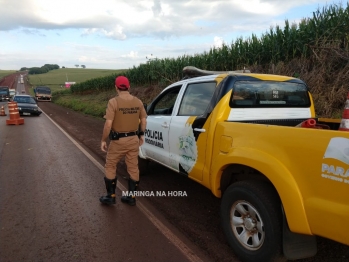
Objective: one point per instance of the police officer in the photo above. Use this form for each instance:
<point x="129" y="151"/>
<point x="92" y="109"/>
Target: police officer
<point x="125" y="125"/>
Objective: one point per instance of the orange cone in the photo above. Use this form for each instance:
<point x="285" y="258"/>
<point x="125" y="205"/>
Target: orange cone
<point x="14" y="115"/>
<point x="344" y="126"/>
<point x="2" y="111"/>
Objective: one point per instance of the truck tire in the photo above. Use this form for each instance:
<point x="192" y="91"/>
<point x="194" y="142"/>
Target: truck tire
<point x="252" y="221"/>
<point x="143" y="166"/>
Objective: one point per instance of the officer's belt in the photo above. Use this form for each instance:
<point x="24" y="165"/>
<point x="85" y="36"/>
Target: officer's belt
<point x="128" y="134"/>
<point x="116" y="135"/>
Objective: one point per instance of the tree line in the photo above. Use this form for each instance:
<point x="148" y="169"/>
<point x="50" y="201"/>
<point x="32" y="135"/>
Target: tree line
<point x="40" y="70"/>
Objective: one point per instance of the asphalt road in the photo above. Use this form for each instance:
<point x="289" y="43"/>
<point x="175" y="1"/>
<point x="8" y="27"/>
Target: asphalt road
<point x="49" y="208"/>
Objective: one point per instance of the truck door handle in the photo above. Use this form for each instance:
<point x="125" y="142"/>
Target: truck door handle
<point x="201" y="130"/>
<point x="165" y="125"/>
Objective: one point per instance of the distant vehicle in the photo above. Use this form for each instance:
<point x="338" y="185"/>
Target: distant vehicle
<point x="27" y="105"/>
<point x="12" y="93"/>
<point x="42" y="93"/>
<point x="4" y="93"/>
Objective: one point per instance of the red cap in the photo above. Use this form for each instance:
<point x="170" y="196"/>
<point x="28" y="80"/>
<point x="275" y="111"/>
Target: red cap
<point x="122" y="83"/>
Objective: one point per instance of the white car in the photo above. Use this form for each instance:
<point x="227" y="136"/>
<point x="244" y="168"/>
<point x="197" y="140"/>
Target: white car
<point x="12" y="93"/>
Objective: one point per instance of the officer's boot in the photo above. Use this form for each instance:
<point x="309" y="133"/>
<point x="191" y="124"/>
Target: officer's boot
<point x="132" y="188"/>
<point x="110" y="185"/>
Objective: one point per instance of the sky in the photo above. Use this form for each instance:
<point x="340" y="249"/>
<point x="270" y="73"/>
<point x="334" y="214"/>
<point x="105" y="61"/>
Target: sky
<point x="120" y="34"/>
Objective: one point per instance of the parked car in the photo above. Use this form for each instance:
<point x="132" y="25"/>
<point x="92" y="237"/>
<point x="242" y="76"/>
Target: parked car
<point x="27" y="105"/>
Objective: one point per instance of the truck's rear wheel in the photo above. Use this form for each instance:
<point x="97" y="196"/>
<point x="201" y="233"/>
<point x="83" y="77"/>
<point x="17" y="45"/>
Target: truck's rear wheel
<point x="252" y="221"/>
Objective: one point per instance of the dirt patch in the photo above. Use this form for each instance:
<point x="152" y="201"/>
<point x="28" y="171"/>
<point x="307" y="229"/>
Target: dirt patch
<point x="10" y="80"/>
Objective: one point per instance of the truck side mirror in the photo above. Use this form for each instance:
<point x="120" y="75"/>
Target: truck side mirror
<point x="145" y="106"/>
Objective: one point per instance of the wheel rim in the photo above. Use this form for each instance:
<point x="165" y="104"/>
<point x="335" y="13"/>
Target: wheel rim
<point x="247" y="225"/>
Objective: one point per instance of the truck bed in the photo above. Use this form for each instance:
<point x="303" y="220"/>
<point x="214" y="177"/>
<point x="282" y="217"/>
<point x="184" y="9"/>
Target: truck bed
<point x="333" y="124"/>
<point x="308" y="167"/>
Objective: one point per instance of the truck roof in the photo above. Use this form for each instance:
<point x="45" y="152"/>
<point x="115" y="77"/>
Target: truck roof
<point x="192" y="71"/>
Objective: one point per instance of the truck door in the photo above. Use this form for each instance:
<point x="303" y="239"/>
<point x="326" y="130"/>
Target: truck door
<point x="156" y="144"/>
<point x="187" y="132"/>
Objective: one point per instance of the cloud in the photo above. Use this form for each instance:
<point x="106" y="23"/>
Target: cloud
<point x="111" y="33"/>
<point x="119" y="20"/>
<point x="115" y="33"/>
<point x="33" y="32"/>
<point x="156" y="8"/>
<point x="217" y="41"/>
<point x="163" y="19"/>
<point x="132" y="54"/>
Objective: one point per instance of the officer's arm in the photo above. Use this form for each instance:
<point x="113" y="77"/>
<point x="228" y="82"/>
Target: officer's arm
<point x="106" y="130"/>
<point x="143" y="124"/>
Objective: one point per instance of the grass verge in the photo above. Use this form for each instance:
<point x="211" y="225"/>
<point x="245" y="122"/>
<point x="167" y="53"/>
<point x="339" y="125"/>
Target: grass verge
<point x="95" y="104"/>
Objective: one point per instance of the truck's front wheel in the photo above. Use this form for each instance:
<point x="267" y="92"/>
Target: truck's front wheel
<point x="252" y="221"/>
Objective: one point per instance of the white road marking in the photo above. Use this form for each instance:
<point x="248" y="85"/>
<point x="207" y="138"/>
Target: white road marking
<point x="186" y="251"/>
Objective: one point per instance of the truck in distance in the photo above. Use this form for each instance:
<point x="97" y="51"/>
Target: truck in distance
<point x="4" y="93"/>
<point x="43" y="93"/>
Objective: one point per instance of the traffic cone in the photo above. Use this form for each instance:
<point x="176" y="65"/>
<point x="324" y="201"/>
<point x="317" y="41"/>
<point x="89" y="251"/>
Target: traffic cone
<point x="2" y="111"/>
<point x="344" y="126"/>
<point x="15" y="119"/>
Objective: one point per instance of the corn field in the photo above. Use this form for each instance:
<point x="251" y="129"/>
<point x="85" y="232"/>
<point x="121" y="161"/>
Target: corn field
<point x="327" y="26"/>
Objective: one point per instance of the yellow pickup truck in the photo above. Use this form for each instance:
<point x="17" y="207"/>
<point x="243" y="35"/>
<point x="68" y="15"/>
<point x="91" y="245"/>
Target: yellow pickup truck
<point x="240" y="134"/>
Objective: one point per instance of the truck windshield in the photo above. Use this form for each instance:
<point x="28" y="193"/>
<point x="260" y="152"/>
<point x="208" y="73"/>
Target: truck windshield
<point x="25" y="100"/>
<point x="269" y="94"/>
<point x="43" y="91"/>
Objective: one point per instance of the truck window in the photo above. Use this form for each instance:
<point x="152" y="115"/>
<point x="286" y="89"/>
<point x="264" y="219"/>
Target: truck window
<point x="165" y="103"/>
<point x="196" y="98"/>
<point x="269" y="94"/>
<point x="4" y="91"/>
<point x="43" y="91"/>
